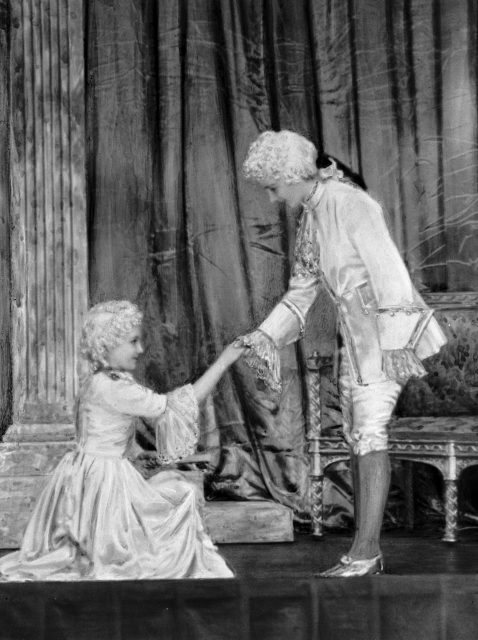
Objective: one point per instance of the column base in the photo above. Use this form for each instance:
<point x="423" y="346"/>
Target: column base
<point x="28" y="455"/>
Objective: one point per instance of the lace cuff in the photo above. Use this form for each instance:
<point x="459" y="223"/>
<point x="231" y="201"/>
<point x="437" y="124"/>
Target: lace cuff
<point x="402" y="364"/>
<point x="177" y="429"/>
<point x="263" y="358"/>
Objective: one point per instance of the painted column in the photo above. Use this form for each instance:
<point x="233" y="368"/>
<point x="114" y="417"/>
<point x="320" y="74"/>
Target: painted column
<point x="48" y="247"/>
<point x="48" y="208"/>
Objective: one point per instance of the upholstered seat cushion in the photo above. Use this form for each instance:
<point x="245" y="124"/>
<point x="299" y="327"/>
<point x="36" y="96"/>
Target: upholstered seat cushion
<point x="436" y="428"/>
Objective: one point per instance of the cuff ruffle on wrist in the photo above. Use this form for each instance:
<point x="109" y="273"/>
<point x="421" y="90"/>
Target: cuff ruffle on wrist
<point x="402" y="364"/>
<point x="263" y="358"/>
<point x="177" y="429"/>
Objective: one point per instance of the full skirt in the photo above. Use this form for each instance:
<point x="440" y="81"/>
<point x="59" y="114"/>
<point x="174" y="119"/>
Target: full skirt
<point x="99" y="519"/>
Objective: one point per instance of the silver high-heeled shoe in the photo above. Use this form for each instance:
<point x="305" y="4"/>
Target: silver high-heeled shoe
<point x="349" y="568"/>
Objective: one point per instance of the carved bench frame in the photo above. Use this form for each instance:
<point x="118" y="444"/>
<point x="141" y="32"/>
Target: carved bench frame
<point x="450" y="453"/>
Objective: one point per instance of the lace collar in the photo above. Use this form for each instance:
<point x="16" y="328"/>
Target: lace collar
<point x="314" y="196"/>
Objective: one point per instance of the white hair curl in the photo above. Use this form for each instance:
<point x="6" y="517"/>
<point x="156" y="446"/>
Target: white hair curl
<point x="105" y="325"/>
<point x="280" y="156"/>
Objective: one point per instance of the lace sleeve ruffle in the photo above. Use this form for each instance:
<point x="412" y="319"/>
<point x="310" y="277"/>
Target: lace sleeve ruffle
<point x="263" y="358"/>
<point x="402" y="364"/>
<point x="177" y="429"/>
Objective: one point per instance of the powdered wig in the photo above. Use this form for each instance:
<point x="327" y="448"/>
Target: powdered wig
<point x="280" y="156"/>
<point x="105" y="326"/>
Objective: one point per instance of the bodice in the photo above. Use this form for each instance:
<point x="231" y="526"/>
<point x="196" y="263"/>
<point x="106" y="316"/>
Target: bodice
<point x="107" y="408"/>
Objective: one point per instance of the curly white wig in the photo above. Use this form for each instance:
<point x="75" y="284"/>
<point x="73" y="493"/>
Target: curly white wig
<point x="280" y="156"/>
<point x="105" y="325"/>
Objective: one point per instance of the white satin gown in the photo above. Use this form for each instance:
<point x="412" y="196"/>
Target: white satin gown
<point x="98" y="518"/>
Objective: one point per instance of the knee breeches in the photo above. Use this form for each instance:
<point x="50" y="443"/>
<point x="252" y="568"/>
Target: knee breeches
<point x="366" y="410"/>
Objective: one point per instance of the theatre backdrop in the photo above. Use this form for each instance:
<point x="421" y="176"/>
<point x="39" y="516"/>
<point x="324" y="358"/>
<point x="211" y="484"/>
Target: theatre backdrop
<point x="175" y="92"/>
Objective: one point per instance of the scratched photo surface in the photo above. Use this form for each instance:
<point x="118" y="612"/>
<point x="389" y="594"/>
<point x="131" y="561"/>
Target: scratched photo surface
<point x="140" y="196"/>
<point x="174" y="98"/>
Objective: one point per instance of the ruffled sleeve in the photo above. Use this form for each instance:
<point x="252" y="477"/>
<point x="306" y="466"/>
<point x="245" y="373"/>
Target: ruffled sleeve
<point x="263" y="358"/>
<point x="402" y="364"/>
<point x="177" y="428"/>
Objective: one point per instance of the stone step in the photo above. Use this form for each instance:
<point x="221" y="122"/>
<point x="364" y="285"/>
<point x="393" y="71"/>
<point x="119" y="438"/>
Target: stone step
<point x="250" y="521"/>
<point x="235" y="521"/>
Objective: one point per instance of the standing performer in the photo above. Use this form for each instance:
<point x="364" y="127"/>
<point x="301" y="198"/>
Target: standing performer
<point x="386" y="329"/>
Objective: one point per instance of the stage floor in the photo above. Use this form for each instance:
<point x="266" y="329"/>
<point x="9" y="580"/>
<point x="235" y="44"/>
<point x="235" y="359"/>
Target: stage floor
<point x="430" y="591"/>
<point x="405" y="554"/>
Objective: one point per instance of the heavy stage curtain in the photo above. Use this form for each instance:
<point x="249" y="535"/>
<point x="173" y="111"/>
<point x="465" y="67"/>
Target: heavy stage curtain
<point x="176" y="91"/>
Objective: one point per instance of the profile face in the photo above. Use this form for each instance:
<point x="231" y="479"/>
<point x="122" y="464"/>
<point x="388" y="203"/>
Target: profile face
<point x="290" y="194"/>
<point x="125" y="355"/>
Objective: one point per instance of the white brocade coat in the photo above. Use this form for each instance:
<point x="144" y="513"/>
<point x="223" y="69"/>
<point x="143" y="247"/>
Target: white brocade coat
<point x="343" y="244"/>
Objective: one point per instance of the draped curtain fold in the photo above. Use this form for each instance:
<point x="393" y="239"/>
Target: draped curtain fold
<point x="176" y="91"/>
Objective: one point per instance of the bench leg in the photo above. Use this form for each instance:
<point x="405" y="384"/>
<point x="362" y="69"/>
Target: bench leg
<point x="409" y="496"/>
<point x="317" y="497"/>
<point x="451" y="510"/>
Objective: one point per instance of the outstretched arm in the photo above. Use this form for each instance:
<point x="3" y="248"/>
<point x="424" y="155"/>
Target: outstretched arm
<point x="284" y="325"/>
<point x="206" y="383"/>
<point x="286" y="322"/>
